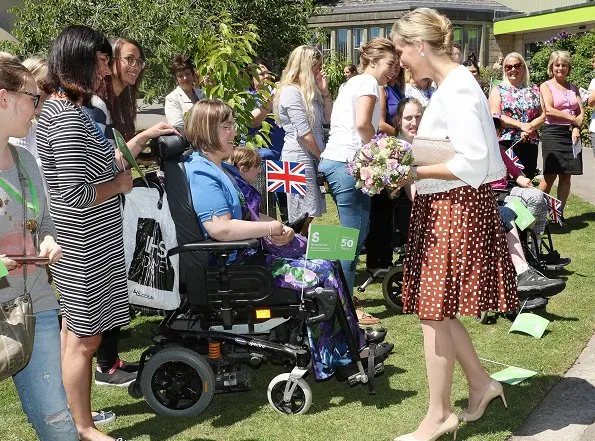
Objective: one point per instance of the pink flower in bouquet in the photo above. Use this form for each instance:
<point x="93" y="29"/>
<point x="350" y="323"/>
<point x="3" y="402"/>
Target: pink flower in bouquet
<point x="382" y="143"/>
<point x="365" y="173"/>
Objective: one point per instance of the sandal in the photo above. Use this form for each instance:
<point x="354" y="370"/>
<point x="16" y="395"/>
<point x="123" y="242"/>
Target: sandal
<point x="366" y="319"/>
<point x="358" y="303"/>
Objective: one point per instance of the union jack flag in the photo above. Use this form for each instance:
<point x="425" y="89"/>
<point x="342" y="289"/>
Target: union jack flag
<point x="286" y="177"/>
<point x="514" y="158"/>
<point x="554" y="208"/>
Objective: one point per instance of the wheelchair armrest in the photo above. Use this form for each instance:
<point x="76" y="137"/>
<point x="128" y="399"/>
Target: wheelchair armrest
<point x="215" y="246"/>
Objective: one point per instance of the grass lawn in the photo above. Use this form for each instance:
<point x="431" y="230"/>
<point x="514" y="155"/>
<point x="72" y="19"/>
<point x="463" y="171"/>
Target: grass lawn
<point x="343" y="413"/>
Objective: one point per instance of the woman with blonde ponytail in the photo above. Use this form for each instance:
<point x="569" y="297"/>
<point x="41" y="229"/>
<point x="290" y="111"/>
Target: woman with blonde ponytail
<point x="302" y="105"/>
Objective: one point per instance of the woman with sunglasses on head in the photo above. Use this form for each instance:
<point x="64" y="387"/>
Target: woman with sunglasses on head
<point x="84" y="184"/>
<point x="518" y="102"/>
<point x="39" y="384"/>
<point x="562" y="129"/>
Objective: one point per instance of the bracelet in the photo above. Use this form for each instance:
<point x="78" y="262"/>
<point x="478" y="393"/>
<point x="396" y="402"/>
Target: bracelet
<point x="270" y="230"/>
<point x="139" y="144"/>
<point x="414" y="173"/>
<point x="326" y="96"/>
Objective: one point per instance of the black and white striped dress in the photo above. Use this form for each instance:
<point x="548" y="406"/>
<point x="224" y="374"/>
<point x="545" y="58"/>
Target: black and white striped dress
<point x="91" y="277"/>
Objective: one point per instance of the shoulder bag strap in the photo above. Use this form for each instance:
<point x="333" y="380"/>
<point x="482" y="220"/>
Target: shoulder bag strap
<point x="22" y="182"/>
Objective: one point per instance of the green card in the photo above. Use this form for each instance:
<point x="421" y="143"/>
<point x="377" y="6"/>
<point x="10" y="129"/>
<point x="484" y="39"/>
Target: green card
<point x="531" y="324"/>
<point x="125" y="151"/>
<point x="524" y="217"/>
<point x="513" y="375"/>
<point x="3" y="270"/>
<point x="331" y="242"/>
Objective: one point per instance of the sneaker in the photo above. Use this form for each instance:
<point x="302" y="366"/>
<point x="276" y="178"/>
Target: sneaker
<point x="532" y="282"/>
<point x="103" y="417"/>
<point x="126" y="366"/>
<point x="532" y="304"/>
<point x="114" y="377"/>
<point x="554" y="259"/>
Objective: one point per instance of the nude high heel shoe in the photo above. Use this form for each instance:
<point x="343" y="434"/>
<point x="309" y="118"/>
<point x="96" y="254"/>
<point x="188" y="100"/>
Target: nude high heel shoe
<point x="494" y="390"/>
<point x="451" y="424"/>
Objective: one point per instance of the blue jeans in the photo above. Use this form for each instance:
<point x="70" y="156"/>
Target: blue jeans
<point x="40" y="386"/>
<point x="353" y="207"/>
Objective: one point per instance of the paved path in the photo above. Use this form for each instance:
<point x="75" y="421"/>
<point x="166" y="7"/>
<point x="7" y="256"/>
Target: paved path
<point x="568" y="412"/>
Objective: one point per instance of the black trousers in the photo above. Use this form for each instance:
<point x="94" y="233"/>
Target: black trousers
<point x="107" y="353"/>
<point x="379" y="247"/>
<point x="527" y="154"/>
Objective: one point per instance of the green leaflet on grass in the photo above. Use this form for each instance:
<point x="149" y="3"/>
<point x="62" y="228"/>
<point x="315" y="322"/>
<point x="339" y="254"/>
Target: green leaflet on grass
<point x="125" y="151"/>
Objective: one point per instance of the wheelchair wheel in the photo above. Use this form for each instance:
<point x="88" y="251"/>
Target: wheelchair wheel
<point x="178" y="382"/>
<point x="392" y="286"/>
<point x="300" y="400"/>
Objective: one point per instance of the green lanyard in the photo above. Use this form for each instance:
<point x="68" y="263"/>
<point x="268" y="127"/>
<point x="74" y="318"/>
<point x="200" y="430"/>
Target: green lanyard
<point x="34" y="204"/>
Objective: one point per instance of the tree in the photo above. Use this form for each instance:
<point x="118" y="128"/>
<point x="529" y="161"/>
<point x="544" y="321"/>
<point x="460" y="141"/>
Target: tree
<point x="165" y="28"/>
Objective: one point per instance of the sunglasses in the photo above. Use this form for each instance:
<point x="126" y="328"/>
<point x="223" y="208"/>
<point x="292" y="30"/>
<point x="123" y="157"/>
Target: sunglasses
<point x="516" y="66"/>
<point x="36" y="97"/>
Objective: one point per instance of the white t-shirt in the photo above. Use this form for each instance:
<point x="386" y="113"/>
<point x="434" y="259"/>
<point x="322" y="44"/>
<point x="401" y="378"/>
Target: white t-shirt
<point x="592" y="124"/>
<point x="459" y="111"/>
<point x="344" y="139"/>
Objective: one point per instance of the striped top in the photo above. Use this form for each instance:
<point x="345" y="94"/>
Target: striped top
<point x="91" y="277"/>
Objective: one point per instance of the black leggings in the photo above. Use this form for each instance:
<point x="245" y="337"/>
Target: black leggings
<point x="107" y="353"/>
<point x="379" y="248"/>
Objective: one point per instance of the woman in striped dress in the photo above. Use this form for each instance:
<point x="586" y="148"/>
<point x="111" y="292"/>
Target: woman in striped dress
<point x="84" y="185"/>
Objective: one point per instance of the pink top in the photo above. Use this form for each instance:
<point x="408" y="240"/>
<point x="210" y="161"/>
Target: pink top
<point x="564" y="101"/>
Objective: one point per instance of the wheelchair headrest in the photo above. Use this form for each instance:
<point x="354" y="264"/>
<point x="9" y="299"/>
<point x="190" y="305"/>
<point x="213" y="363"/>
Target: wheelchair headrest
<point x="169" y="147"/>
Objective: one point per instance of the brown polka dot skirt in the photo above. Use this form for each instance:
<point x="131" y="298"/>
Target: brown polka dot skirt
<point x="457" y="258"/>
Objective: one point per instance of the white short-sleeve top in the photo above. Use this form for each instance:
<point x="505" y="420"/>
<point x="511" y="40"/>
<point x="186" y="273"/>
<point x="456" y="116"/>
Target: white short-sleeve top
<point x="459" y="112"/>
<point x="344" y="140"/>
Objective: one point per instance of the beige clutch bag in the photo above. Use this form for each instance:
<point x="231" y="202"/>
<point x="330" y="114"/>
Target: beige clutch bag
<point x="430" y="151"/>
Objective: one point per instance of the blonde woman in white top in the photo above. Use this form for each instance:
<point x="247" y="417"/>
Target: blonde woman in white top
<point x="354" y="121"/>
<point x="457" y="259"/>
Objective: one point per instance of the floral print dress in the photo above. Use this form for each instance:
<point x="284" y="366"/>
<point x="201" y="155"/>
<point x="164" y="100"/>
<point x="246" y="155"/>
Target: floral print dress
<point x="328" y="345"/>
<point x="522" y="104"/>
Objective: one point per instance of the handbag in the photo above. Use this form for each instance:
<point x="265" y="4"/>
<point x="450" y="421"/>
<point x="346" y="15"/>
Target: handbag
<point x="17" y="322"/>
<point x="430" y="151"/>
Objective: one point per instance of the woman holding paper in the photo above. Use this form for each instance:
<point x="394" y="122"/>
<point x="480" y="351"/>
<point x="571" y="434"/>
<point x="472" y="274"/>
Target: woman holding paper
<point x="226" y="207"/>
<point x="457" y="259"/>
<point x="520" y="108"/>
<point x="561" y="148"/>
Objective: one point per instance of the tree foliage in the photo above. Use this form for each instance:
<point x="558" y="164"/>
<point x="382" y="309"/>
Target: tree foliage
<point x="166" y="27"/>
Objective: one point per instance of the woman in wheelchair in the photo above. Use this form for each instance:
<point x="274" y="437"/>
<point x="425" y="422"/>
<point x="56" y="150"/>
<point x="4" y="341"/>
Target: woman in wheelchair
<point x="226" y="207"/>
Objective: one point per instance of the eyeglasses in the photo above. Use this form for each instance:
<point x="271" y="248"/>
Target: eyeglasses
<point x="36" y="97"/>
<point x="230" y="127"/>
<point x="516" y="66"/>
<point x="132" y="61"/>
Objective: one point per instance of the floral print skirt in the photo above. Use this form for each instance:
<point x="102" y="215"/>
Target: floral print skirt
<point x="328" y="344"/>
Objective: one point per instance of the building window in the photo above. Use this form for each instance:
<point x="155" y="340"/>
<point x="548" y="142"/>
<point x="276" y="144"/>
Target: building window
<point x="324" y="44"/>
<point x="387" y="30"/>
<point x="357" y="40"/>
<point x="469" y="37"/>
<point x="342" y="43"/>
<point x="373" y="32"/>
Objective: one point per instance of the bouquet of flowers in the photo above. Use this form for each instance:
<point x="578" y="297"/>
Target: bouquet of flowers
<point x="383" y="163"/>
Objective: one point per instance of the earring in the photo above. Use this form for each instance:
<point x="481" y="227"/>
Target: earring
<point x="421" y="53"/>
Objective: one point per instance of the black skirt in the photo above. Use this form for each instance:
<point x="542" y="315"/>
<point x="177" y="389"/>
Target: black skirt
<point x="556" y="145"/>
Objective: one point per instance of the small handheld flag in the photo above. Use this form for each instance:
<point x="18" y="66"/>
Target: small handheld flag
<point x="514" y="158"/>
<point x="554" y="208"/>
<point x="286" y="177"/>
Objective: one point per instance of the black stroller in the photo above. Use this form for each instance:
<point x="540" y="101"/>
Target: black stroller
<point x="233" y="317"/>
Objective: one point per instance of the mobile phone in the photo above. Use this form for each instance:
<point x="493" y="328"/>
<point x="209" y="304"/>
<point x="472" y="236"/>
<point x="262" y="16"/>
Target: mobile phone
<point x="29" y="259"/>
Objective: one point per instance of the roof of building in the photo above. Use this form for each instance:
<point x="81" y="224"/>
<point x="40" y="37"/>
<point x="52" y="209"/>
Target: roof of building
<point x="350" y="6"/>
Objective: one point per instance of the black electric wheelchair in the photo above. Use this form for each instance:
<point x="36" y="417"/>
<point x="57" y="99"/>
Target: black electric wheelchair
<point x="232" y="318"/>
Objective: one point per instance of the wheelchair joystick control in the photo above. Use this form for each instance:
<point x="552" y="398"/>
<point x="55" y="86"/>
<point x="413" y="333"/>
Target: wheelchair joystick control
<point x="325" y="300"/>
